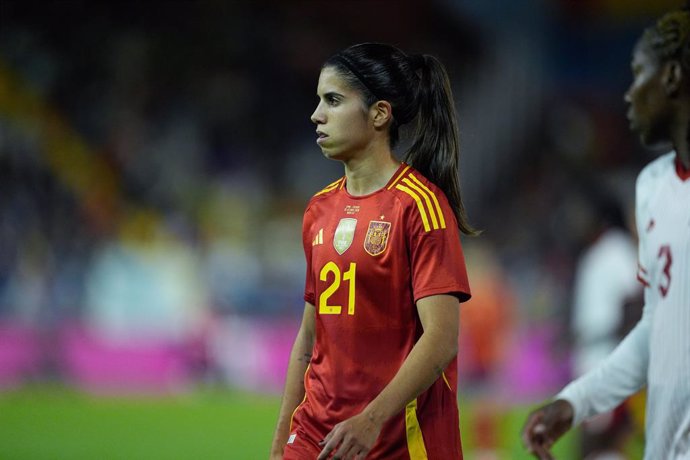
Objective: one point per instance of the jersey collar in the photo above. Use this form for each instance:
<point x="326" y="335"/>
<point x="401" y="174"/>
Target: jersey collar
<point x="683" y="173"/>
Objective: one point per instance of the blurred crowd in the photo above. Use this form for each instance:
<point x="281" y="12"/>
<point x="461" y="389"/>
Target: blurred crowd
<point x="156" y="157"/>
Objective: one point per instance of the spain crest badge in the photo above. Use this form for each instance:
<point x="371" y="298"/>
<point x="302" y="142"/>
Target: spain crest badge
<point x="344" y="234"/>
<point x="377" y="237"/>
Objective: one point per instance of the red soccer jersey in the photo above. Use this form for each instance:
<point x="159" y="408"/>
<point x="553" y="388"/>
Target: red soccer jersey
<point x="369" y="259"/>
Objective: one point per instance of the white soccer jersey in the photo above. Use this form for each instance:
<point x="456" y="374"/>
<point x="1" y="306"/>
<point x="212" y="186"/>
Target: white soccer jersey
<point x="656" y="353"/>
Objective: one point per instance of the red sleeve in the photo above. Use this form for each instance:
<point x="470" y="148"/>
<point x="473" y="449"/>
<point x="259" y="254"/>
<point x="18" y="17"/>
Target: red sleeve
<point x="437" y="260"/>
<point x="309" y="290"/>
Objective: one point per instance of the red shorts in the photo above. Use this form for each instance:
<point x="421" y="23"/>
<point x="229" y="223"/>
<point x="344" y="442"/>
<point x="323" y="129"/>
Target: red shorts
<point x="300" y="447"/>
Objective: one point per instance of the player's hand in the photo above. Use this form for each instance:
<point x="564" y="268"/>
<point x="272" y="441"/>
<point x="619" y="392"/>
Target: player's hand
<point x="545" y="426"/>
<point x="351" y="439"/>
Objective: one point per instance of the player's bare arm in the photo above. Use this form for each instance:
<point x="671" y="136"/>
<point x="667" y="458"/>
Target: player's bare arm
<point x="294" y="384"/>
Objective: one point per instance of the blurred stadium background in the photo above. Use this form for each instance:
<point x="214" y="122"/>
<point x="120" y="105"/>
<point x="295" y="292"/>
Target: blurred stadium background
<point x="155" y="159"/>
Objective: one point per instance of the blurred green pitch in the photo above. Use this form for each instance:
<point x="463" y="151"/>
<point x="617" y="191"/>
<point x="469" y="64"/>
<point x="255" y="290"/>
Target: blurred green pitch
<point x="56" y="423"/>
<point x="52" y="422"/>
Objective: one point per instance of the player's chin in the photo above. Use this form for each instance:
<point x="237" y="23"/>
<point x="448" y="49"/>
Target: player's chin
<point x="643" y="134"/>
<point x="654" y="141"/>
<point x="332" y="154"/>
<point x="328" y="154"/>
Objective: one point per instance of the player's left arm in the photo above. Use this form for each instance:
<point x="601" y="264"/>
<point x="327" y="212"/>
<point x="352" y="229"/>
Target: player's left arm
<point x="437" y="346"/>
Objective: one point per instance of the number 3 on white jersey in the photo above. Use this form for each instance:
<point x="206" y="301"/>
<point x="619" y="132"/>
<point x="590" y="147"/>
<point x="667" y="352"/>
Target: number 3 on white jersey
<point x="665" y="282"/>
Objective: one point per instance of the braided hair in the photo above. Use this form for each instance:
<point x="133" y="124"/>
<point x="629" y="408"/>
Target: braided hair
<point x="669" y="38"/>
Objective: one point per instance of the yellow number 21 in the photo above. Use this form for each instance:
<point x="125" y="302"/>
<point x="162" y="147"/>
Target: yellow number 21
<point x="349" y="275"/>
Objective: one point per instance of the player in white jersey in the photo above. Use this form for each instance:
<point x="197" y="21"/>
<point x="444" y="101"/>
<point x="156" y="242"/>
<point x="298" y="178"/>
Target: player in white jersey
<point x="656" y="353"/>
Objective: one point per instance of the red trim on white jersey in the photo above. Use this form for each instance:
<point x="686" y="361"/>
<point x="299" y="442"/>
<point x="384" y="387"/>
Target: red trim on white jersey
<point x="682" y="172"/>
<point x="642" y="275"/>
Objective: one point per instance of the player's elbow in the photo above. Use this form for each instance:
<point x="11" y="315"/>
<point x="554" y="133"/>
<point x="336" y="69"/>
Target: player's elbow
<point x="451" y="351"/>
<point x="453" y="347"/>
<point x="447" y="347"/>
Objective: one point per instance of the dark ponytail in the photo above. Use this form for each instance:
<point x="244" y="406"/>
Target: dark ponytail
<point x="416" y="87"/>
<point x="435" y="149"/>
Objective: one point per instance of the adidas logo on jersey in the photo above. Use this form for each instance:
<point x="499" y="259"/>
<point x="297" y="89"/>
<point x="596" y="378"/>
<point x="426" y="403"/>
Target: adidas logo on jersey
<point x="318" y="239"/>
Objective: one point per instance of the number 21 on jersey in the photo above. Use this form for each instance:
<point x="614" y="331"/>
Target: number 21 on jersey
<point x="349" y="277"/>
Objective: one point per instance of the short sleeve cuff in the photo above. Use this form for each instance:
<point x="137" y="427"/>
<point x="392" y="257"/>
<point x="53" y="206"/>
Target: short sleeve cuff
<point x="570" y="393"/>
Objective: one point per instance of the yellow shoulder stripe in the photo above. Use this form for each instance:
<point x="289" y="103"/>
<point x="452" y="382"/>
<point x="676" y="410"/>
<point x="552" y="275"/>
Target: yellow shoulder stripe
<point x="399" y="176"/>
<point x="433" y="197"/>
<point x="413" y="432"/>
<point x="417" y="190"/>
<point x="420" y="206"/>
<point x="330" y="187"/>
<point x="424" y="195"/>
<point x="334" y="183"/>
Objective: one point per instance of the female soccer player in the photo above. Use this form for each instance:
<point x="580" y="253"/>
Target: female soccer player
<point x="372" y="373"/>
<point x="656" y="352"/>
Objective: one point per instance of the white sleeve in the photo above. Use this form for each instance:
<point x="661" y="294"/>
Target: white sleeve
<point x="624" y="371"/>
<point x="620" y="375"/>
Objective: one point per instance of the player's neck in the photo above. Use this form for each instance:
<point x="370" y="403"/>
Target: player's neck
<point x="683" y="153"/>
<point x="684" y="157"/>
<point x="370" y="173"/>
<point x="681" y="136"/>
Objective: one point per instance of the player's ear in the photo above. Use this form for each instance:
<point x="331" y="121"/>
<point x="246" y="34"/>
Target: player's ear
<point x="672" y="77"/>
<point x="381" y="112"/>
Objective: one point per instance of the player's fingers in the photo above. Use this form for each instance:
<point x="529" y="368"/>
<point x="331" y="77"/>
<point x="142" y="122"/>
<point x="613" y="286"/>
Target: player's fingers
<point x="346" y="450"/>
<point x="539" y="431"/>
<point x="358" y="451"/>
<point x="532" y="431"/>
<point x="361" y="455"/>
<point x="543" y="436"/>
<point x="330" y="442"/>
<point x="532" y="419"/>
<point x="527" y="438"/>
<point x="542" y="452"/>
<point x="328" y="437"/>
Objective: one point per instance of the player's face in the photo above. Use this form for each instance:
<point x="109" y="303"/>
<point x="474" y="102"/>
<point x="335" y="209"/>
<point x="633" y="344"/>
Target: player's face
<point x="649" y="108"/>
<point x="342" y="121"/>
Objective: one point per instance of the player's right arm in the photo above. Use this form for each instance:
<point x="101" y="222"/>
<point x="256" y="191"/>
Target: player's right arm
<point x="620" y="375"/>
<point x="293" y="394"/>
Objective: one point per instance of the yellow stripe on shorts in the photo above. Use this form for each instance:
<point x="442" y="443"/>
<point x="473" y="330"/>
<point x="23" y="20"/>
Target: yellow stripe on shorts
<point x="413" y="432"/>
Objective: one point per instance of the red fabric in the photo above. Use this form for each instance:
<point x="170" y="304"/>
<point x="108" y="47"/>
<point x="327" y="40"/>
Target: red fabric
<point x="683" y="173"/>
<point x="356" y="355"/>
<point x="301" y="448"/>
